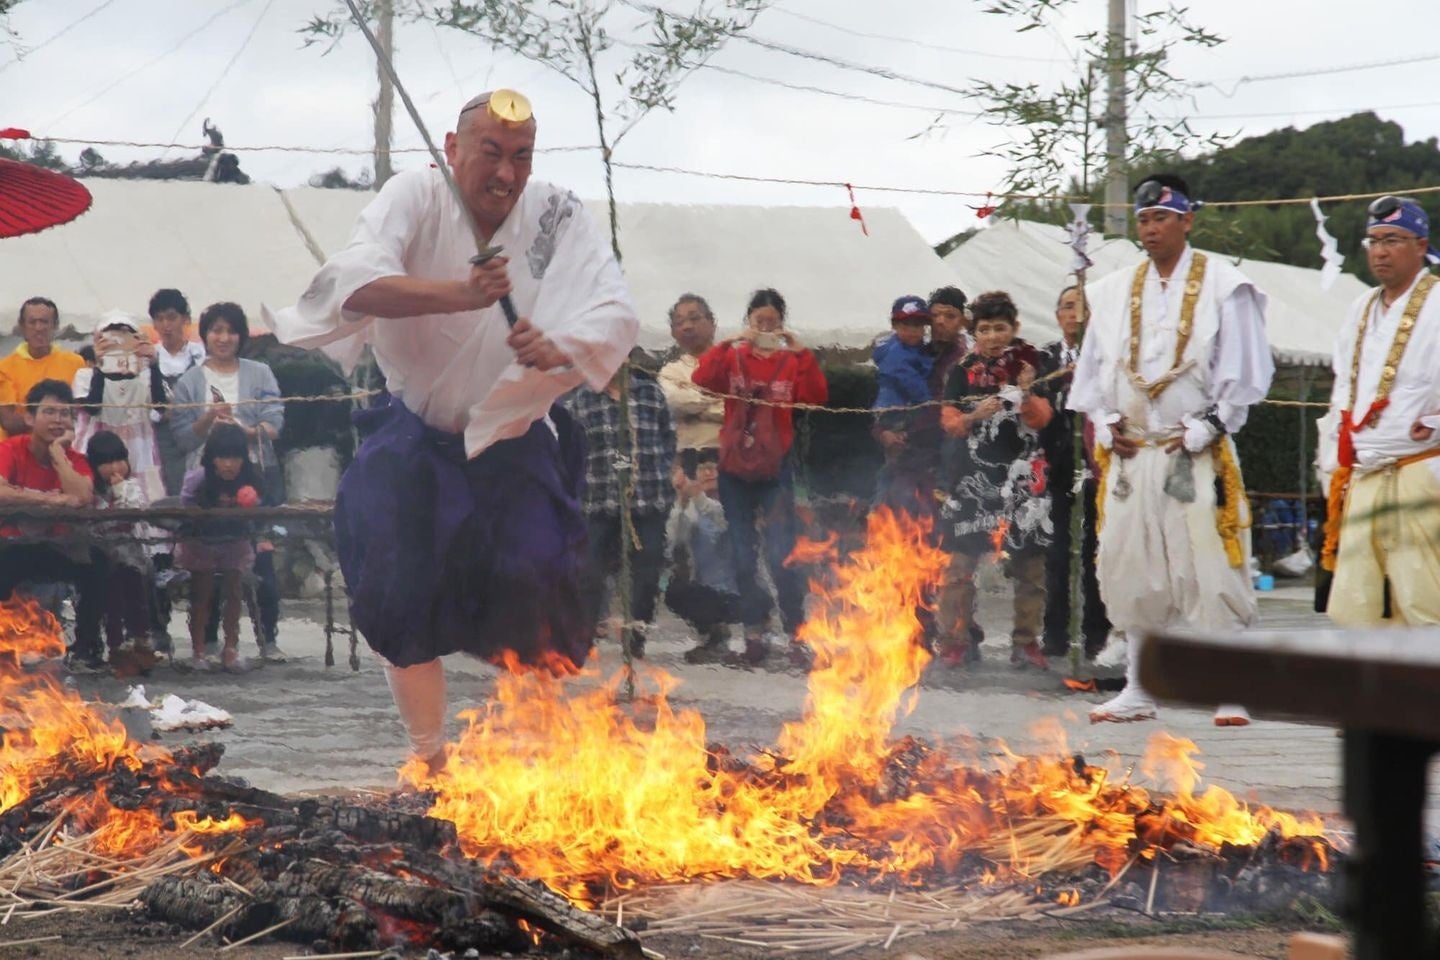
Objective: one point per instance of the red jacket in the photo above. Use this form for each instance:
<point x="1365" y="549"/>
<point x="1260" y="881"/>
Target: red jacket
<point x="784" y="376"/>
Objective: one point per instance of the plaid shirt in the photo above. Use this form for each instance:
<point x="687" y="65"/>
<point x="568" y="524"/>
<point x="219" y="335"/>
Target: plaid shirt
<point x="654" y="439"/>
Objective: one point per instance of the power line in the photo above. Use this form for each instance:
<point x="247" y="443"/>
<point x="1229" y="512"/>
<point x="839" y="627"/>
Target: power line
<point x="151" y="62"/>
<point x="913" y="42"/>
<point x="55" y="36"/>
<point x="1318" y="71"/>
<point x="858" y="98"/>
<point x="1302" y="113"/>
<point x="825" y="58"/>
<point x="224" y="71"/>
<point x="833" y="61"/>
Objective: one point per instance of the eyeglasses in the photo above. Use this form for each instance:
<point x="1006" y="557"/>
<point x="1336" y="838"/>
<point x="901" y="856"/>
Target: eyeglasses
<point x="1387" y="242"/>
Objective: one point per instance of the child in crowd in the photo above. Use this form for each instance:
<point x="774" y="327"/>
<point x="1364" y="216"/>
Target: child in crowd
<point x="127" y="597"/>
<point x="226" y="478"/>
<point x="702" y="590"/>
<point x="996" y="479"/>
<point x="903" y="364"/>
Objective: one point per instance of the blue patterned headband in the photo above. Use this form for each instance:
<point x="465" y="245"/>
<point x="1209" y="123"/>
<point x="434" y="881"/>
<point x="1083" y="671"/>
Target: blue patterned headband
<point x="1153" y="195"/>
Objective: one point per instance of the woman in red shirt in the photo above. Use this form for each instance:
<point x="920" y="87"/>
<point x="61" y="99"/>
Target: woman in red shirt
<point x="761" y="373"/>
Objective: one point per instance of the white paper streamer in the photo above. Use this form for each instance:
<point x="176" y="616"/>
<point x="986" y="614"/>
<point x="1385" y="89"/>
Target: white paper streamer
<point x="1329" y="249"/>
<point x="1079" y="232"/>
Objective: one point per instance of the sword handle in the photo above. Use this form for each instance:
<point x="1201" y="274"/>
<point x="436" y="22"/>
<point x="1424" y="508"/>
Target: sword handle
<point x="485" y="255"/>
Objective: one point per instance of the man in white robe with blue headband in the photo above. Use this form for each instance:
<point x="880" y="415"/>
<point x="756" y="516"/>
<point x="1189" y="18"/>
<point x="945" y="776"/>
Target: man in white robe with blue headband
<point x="1382" y="531"/>
<point x="1174" y="357"/>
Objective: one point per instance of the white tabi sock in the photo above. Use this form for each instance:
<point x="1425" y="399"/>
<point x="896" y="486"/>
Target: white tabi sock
<point x="419" y="693"/>
<point x="1133" y="703"/>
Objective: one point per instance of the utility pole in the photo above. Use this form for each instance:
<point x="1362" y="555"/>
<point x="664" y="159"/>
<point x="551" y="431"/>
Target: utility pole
<point x="1117" y="184"/>
<point x="385" y="100"/>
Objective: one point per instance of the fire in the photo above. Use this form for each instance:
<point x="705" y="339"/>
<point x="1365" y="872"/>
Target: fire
<point x="64" y="738"/>
<point x="558" y="780"/>
<point x="59" y="729"/>
<point x="188" y="820"/>
<point x="555" y="779"/>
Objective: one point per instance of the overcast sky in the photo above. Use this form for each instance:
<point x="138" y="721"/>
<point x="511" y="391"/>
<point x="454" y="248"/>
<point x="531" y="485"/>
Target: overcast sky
<point x="136" y="69"/>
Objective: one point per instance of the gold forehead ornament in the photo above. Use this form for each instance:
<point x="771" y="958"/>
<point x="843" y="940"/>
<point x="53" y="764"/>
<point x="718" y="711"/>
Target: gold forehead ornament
<point x="510" y="106"/>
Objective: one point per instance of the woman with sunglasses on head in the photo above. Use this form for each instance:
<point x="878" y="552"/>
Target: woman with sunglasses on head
<point x="1174" y="358"/>
<point x="1382" y="530"/>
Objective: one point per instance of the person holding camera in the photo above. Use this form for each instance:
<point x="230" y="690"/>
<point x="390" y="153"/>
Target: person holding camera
<point x="762" y="373"/>
<point x="116" y="396"/>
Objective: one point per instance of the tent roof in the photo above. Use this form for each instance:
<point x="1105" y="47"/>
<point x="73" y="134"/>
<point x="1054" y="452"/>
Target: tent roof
<point x="254" y="244"/>
<point x="1032" y="261"/>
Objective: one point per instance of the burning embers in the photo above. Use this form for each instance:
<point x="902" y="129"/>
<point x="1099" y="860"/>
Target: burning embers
<point x="572" y="789"/>
<point x="565" y="785"/>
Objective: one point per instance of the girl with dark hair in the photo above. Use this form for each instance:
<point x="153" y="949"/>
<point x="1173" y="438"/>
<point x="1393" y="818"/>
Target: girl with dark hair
<point x="997" y="480"/>
<point x="221" y="549"/>
<point x="127" y="594"/>
<point x="226" y="389"/>
<point x="766" y="362"/>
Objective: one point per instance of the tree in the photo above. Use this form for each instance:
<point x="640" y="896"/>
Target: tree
<point x="1056" y="132"/>
<point x="41" y="153"/>
<point x="90" y="158"/>
<point x="1358" y="154"/>
<point x="574" y="38"/>
<point x="337" y="179"/>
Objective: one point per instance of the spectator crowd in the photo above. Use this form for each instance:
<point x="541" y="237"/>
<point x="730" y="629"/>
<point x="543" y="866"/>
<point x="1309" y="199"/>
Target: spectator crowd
<point x="969" y="415"/>
<point x="141" y="417"/>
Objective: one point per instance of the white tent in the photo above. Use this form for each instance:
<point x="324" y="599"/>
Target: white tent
<point x="1032" y="262"/>
<point x="254" y="244"/>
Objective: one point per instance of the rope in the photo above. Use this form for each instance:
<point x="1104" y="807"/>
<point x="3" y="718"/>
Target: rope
<point x="793" y="405"/>
<point x="200" y="404"/>
<point x="271" y="147"/>
<point x="752" y="178"/>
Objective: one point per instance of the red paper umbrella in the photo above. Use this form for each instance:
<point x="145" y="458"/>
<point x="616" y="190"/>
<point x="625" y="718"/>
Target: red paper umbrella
<point x="33" y="198"/>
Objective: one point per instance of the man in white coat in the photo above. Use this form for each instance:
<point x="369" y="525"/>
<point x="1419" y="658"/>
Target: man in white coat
<point x="1175" y="356"/>
<point x="459" y="525"/>
<point x="1384" y="428"/>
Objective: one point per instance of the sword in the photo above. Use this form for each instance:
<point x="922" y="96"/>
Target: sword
<point x="486" y="252"/>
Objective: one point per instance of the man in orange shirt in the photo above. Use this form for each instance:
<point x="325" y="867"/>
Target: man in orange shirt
<point x="34" y="360"/>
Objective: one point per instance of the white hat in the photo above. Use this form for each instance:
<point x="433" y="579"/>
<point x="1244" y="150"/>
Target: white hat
<point x="117" y="318"/>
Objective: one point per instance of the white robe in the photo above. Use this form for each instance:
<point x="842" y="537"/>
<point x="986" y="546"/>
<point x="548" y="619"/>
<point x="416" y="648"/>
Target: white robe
<point x="1415" y="395"/>
<point x="455" y="370"/>
<point x="1161" y="562"/>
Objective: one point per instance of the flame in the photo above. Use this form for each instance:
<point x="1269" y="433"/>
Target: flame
<point x="997" y="537"/>
<point x="60" y="730"/>
<point x="63" y="737"/>
<point x="559" y="781"/>
<point x="189" y="820"/>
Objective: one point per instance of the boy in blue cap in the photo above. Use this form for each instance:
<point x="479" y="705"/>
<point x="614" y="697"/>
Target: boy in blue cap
<point x="903" y="365"/>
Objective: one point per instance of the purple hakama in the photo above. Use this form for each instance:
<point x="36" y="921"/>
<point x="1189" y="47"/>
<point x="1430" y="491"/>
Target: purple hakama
<point x="443" y="554"/>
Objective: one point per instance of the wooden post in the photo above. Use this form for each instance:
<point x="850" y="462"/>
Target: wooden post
<point x="385" y="100"/>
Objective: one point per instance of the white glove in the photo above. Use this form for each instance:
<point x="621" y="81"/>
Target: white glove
<point x="1104" y="436"/>
<point x="1199" y="434"/>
